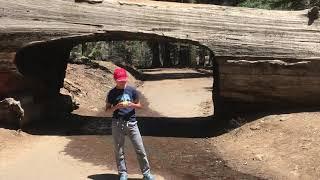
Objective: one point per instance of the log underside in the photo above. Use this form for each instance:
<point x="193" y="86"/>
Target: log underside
<point x="261" y="56"/>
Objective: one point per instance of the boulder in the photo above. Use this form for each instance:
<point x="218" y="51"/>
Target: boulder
<point x="11" y="112"/>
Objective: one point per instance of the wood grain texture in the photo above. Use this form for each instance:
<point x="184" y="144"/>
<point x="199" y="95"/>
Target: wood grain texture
<point x="280" y="51"/>
<point x="228" y="31"/>
<point x="272" y="81"/>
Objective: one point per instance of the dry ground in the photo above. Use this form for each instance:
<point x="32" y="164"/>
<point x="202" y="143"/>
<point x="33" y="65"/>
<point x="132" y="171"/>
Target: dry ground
<point x="284" y="146"/>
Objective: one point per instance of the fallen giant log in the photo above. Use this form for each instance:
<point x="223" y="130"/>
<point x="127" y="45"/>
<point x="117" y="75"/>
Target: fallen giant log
<point x="263" y="58"/>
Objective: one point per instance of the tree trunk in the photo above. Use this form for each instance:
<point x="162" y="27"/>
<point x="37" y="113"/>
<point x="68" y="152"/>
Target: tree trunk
<point x="155" y="54"/>
<point x="84" y="49"/>
<point x="211" y="58"/>
<point x="262" y="56"/>
<point x="175" y="54"/>
<point x="166" y="54"/>
<point x="193" y="55"/>
<point x="201" y="56"/>
<point x="184" y="56"/>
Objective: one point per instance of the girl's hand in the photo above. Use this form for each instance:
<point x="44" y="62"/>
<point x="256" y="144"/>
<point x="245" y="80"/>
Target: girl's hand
<point x="131" y="105"/>
<point x="119" y="106"/>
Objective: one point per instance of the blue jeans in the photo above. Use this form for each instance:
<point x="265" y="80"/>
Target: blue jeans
<point x="119" y="129"/>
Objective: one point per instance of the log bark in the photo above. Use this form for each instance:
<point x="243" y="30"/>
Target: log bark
<point x="228" y="31"/>
<point x="253" y="81"/>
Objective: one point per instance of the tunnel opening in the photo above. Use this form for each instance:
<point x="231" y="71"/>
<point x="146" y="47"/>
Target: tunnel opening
<point x="45" y="63"/>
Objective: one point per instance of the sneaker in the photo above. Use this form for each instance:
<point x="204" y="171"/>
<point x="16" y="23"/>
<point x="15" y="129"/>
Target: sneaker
<point x="148" y="176"/>
<point x="123" y="176"/>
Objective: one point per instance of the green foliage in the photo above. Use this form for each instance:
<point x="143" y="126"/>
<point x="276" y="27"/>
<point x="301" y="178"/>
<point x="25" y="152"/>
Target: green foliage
<point x="279" y="4"/>
<point x="76" y="52"/>
<point x="97" y="50"/>
<point x="262" y="4"/>
<point x="314" y="3"/>
<point x="137" y="53"/>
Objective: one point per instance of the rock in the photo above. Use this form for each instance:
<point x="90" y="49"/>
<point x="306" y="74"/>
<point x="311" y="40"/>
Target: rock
<point x="295" y="171"/>
<point x="72" y="88"/>
<point x="258" y="157"/>
<point x="95" y="109"/>
<point x="68" y="93"/>
<point x="66" y="103"/>
<point x="282" y="119"/>
<point x="257" y="127"/>
<point x="11" y="112"/>
<point x="80" y="60"/>
<point x="90" y="1"/>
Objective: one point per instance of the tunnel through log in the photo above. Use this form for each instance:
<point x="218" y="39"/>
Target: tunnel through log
<point x="45" y="64"/>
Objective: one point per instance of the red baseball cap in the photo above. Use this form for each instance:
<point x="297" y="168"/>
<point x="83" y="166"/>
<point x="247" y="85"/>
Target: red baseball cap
<point x="120" y="74"/>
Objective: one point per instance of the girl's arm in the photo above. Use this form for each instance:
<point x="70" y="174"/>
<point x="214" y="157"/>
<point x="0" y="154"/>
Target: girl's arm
<point x="136" y="104"/>
<point x="109" y="107"/>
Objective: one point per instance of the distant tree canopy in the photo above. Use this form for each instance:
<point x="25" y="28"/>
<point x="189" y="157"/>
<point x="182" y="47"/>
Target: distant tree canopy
<point x="263" y="4"/>
<point x="143" y="54"/>
<point x="279" y="4"/>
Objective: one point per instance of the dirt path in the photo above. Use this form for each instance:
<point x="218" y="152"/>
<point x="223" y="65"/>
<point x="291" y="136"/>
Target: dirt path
<point x="24" y="157"/>
<point x="58" y="156"/>
<point x="45" y="159"/>
<point x="167" y="131"/>
<point x="175" y="111"/>
<point x="178" y="92"/>
<point x="177" y="129"/>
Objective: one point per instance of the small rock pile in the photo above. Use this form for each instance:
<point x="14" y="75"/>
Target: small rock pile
<point x="11" y="112"/>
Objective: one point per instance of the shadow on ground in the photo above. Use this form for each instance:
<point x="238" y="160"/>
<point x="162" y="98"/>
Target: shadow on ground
<point x="187" y="127"/>
<point x="165" y="76"/>
<point x="73" y="124"/>
<point x="108" y="177"/>
<point x="157" y="74"/>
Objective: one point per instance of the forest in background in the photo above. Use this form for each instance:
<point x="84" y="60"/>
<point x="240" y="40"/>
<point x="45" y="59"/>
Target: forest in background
<point x="143" y="54"/>
<point x="263" y="4"/>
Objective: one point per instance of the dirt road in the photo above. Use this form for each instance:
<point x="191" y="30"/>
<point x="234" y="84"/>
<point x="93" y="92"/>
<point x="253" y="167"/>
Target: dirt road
<point x="176" y="110"/>
<point x="180" y="135"/>
<point x="178" y="93"/>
